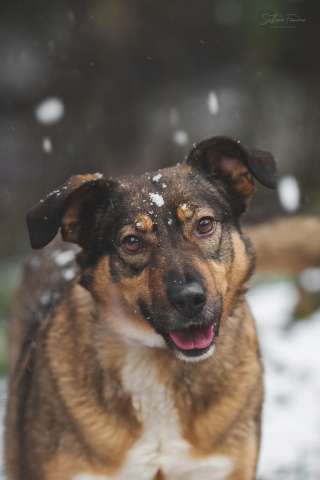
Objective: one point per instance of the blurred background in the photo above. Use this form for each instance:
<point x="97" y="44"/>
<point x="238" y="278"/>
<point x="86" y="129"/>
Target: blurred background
<point x="120" y="86"/>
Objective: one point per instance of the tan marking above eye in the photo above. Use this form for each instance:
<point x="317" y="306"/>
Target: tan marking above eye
<point x="185" y="212"/>
<point x="144" y="223"/>
<point x="190" y="225"/>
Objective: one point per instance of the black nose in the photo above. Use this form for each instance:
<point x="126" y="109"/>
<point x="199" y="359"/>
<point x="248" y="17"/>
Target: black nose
<point x="188" y="298"/>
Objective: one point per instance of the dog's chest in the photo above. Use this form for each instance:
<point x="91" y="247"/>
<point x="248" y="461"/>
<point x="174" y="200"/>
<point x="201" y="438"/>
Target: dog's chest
<point x="161" y="446"/>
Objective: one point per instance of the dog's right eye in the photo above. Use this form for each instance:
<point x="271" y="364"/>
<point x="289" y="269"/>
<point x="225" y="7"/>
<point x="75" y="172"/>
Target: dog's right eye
<point x="205" y="226"/>
<point x="131" y="244"/>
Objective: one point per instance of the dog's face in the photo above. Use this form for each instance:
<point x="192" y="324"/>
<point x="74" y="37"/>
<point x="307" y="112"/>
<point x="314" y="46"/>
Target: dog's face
<point x="163" y="253"/>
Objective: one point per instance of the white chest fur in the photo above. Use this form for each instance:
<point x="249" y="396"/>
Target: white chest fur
<point x="161" y="446"/>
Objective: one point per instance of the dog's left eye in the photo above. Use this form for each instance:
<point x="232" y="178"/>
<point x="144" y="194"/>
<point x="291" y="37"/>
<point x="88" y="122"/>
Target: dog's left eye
<point x="205" y="226"/>
<point x="131" y="244"/>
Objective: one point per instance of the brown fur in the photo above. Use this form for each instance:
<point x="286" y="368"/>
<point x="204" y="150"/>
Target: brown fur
<point x="69" y="411"/>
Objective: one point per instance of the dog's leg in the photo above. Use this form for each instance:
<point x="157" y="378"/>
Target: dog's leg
<point x="159" y="476"/>
<point x="242" y="475"/>
<point x="246" y="462"/>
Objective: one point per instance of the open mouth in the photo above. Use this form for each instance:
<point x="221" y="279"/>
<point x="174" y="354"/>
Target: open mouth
<point x="194" y="340"/>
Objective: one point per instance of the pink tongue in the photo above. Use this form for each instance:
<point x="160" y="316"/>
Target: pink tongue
<point x="193" y="337"/>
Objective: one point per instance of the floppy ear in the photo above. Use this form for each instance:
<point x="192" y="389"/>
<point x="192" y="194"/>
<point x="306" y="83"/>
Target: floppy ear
<point x="226" y="158"/>
<point x="71" y="207"/>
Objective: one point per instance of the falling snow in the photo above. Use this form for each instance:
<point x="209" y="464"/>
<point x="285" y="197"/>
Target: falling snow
<point x="69" y="274"/>
<point x="213" y="103"/>
<point x="62" y="258"/>
<point x="45" y="298"/>
<point x="180" y="137"/>
<point x="289" y="193"/>
<point x="47" y="145"/>
<point x="50" y="111"/>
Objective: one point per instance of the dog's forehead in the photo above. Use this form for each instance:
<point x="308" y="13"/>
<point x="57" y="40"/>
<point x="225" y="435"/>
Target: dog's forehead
<point x="161" y="192"/>
<point x="160" y="180"/>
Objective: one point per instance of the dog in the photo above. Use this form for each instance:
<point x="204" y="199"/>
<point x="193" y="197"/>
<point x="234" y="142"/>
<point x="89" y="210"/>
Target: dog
<point x="146" y="364"/>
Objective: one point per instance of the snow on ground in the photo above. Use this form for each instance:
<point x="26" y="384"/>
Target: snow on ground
<point x="291" y="420"/>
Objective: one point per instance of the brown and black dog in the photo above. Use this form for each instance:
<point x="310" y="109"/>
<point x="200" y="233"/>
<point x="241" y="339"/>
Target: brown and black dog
<point x="145" y="365"/>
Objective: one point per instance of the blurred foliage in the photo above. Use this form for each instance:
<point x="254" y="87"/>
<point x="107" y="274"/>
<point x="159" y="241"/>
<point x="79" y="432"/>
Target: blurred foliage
<point x="9" y="275"/>
<point x="3" y="351"/>
<point x="133" y="75"/>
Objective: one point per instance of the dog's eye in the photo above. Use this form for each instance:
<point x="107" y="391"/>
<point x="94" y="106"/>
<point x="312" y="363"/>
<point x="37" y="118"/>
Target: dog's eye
<point x="131" y="244"/>
<point x="205" y="226"/>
